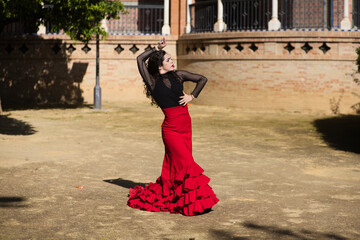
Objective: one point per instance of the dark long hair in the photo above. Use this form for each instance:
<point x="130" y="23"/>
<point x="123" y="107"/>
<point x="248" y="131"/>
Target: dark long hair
<point x="155" y="61"/>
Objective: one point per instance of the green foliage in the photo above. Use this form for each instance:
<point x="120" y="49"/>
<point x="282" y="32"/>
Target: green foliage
<point x="358" y="58"/>
<point x="19" y="10"/>
<point x="80" y="19"/>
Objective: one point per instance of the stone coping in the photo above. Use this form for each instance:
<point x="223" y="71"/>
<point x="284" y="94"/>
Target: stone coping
<point x="324" y="34"/>
<point x="141" y="38"/>
<point x="264" y="36"/>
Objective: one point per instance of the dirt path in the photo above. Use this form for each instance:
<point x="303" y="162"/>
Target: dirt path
<point x="65" y="174"/>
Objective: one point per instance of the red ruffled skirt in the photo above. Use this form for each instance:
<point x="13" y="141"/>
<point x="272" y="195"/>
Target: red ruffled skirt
<point x="181" y="188"/>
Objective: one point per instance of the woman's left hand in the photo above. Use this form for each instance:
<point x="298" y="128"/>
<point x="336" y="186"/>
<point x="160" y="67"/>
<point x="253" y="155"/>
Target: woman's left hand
<point x="185" y="99"/>
<point x="161" y="43"/>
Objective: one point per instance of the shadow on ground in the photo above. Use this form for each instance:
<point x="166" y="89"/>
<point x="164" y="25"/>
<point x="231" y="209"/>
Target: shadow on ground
<point x="48" y="106"/>
<point x="125" y="183"/>
<point x="12" y="126"/>
<point x="341" y="132"/>
<point x="12" y="202"/>
<point x="279" y="233"/>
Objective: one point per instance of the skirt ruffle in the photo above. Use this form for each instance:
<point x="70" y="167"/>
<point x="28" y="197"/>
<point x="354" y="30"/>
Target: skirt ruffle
<point x="192" y="196"/>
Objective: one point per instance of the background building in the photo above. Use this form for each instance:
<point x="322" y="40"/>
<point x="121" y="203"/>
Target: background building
<point x="290" y="55"/>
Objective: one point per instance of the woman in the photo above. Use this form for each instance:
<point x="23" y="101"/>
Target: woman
<point x="181" y="188"/>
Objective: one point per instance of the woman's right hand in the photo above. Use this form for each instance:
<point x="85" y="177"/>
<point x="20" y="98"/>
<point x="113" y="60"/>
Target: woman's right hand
<point x="161" y="43"/>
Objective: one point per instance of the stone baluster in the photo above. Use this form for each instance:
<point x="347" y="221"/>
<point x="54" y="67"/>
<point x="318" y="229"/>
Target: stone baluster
<point x="188" y="17"/>
<point x="220" y="25"/>
<point x="345" y="23"/>
<point x="104" y="25"/>
<point x="274" y="23"/>
<point x="166" y="27"/>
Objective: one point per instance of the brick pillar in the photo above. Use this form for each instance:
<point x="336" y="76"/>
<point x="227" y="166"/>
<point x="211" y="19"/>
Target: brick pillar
<point x="178" y="17"/>
<point x="182" y="16"/>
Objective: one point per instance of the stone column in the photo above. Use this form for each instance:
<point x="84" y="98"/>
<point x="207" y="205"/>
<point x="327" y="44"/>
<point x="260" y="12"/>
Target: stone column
<point x="42" y="29"/>
<point x="166" y="27"/>
<point x="345" y="23"/>
<point x="188" y="19"/>
<point x="104" y="25"/>
<point x="274" y="23"/>
<point x="220" y="26"/>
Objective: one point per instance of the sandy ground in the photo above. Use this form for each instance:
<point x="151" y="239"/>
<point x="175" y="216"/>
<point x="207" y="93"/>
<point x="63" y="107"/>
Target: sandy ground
<point x="65" y="174"/>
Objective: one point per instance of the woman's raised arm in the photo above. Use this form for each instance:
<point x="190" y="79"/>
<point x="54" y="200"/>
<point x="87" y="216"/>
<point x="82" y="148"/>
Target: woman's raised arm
<point x="148" y="79"/>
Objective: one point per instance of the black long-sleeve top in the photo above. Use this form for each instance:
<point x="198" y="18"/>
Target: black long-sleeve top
<point x="168" y="88"/>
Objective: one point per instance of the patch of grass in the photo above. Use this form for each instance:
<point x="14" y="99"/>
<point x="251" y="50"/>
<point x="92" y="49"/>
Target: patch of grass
<point x="79" y="117"/>
<point x="53" y="118"/>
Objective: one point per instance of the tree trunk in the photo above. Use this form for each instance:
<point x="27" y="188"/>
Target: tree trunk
<point x="0" y="106"/>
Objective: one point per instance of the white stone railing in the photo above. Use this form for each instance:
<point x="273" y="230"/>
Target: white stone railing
<point x="274" y="23"/>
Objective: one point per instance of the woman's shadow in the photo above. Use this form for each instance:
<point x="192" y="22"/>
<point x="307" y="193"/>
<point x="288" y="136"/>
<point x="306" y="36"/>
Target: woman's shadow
<point x="125" y="183"/>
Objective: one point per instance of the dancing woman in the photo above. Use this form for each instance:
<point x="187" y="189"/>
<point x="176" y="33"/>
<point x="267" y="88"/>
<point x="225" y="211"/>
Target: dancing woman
<point x="181" y="188"/>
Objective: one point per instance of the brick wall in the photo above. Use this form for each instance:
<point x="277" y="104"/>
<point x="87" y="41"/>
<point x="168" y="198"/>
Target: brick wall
<point x="33" y="73"/>
<point x="275" y="72"/>
<point x="249" y="70"/>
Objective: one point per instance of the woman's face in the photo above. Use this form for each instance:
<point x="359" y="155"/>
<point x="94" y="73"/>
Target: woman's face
<point x="167" y="64"/>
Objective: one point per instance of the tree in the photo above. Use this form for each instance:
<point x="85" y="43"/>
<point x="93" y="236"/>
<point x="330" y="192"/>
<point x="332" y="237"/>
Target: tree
<point x="358" y="59"/>
<point x="80" y="19"/>
<point x="357" y="71"/>
<point x="355" y="76"/>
